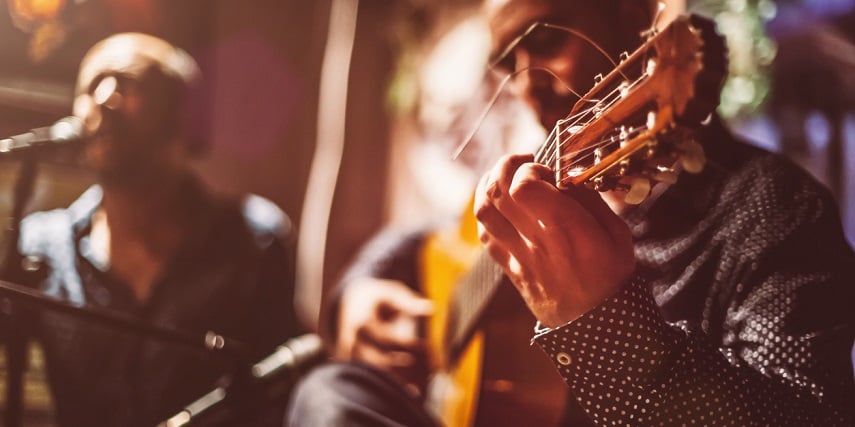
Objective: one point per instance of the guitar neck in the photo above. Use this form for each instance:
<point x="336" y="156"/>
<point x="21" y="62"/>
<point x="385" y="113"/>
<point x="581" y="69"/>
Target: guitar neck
<point x="472" y="295"/>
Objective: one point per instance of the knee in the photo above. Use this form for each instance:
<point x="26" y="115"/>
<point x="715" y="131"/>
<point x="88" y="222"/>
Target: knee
<point x="320" y="397"/>
<point x="317" y="383"/>
<point x="354" y="394"/>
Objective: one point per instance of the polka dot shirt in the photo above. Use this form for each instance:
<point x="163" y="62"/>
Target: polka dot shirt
<point x="741" y="311"/>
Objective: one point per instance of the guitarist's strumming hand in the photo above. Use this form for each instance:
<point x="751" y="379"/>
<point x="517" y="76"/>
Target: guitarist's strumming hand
<point x="565" y="251"/>
<point x="379" y="324"/>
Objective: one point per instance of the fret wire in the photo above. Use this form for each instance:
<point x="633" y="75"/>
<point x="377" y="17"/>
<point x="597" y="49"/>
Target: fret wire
<point x="476" y="289"/>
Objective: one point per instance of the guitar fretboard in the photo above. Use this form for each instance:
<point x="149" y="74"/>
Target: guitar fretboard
<point x="473" y="292"/>
<point x="471" y="297"/>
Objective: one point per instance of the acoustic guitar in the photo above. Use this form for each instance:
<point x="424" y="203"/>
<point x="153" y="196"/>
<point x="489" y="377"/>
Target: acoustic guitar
<point x="633" y="128"/>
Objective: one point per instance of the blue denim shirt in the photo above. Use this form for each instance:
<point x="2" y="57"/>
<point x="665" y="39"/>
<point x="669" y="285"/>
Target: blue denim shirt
<point x="233" y="276"/>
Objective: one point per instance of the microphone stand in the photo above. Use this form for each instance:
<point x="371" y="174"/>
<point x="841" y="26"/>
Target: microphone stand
<point x="14" y="266"/>
<point x="231" y="349"/>
<point x="236" y="400"/>
<point x="15" y="329"/>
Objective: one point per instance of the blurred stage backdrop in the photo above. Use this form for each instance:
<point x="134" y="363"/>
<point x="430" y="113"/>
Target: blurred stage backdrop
<point x="332" y="122"/>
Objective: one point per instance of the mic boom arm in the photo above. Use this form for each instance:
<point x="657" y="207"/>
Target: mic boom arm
<point x="65" y="131"/>
<point x="275" y="374"/>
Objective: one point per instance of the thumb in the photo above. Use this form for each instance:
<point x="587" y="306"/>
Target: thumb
<point x="407" y="301"/>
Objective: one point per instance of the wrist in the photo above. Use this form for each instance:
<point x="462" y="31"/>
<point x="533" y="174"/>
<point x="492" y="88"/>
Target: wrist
<point x="556" y="313"/>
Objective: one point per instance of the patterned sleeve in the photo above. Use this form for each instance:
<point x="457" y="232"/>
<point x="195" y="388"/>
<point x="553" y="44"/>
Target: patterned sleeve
<point x="627" y="366"/>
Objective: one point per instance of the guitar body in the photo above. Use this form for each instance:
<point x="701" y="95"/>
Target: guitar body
<point x="499" y="379"/>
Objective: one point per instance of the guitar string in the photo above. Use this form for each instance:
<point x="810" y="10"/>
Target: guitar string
<point x="508" y="49"/>
<point x="513" y="44"/>
<point x="548" y="146"/>
<point x="578" y="160"/>
<point x="497" y="93"/>
<point x="597" y="102"/>
<point x="616" y="94"/>
<point x="648" y="34"/>
<point x="610" y="140"/>
<point x="591" y="149"/>
<point x="478" y="286"/>
<point x="578" y="117"/>
<point x="517" y="40"/>
<point x="618" y="88"/>
<point x="555" y="135"/>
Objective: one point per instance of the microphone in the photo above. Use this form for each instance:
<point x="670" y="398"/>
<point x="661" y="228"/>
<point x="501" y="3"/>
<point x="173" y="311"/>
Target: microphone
<point x="272" y="377"/>
<point x="294" y="354"/>
<point x="66" y="131"/>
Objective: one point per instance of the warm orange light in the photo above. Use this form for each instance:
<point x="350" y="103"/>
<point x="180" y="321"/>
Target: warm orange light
<point x="36" y="10"/>
<point x="41" y="19"/>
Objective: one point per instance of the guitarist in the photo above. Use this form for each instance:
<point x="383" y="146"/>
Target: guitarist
<point x="723" y="299"/>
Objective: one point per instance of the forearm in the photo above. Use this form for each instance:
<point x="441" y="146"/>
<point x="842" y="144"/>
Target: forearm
<point x="626" y="365"/>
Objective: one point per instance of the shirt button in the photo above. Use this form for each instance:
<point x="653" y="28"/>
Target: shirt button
<point x="563" y="358"/>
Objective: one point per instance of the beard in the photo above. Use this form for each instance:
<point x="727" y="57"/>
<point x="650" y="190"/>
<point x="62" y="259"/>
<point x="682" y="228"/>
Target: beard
<point x="137" y="166"/>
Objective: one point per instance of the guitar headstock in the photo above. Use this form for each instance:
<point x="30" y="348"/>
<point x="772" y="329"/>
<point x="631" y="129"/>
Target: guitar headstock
<point x="634" y="126"/>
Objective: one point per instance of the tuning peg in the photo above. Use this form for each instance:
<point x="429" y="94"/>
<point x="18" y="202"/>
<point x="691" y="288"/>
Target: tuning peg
<point x="650" y="67"/>
<point x="637" y="191"/>
<point x="623" y="134"/>
<point x="692" y="158"/>
<point x="663" y="174"/>
<point x="623" y="89"/>
<point x="650" y="122"/>
<point x="598" y="155"/>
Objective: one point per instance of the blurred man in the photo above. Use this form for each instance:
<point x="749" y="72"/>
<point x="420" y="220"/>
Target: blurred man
<point x="725" y="299"/>
<point x="151" y="242"/>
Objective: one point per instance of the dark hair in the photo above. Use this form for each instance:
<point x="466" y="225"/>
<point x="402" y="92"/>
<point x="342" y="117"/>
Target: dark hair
<point x="631" y="17"/>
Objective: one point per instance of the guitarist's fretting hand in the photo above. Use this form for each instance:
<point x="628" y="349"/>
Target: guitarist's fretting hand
<point x="379" y="324"/>
<point x="564" y="251"/>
